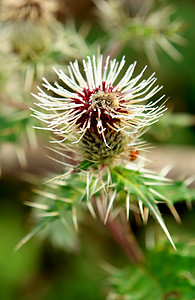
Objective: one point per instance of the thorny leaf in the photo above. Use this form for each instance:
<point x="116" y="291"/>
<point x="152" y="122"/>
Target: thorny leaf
<point x="165" y="275"/>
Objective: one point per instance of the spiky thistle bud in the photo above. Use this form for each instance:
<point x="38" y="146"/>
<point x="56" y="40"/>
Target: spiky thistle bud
<point x="29" y="23"/>
<point x="100" y="110"/>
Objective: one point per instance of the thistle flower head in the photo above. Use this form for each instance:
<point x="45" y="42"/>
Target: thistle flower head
<point x="104" y="113"/>
<point x="99" y="109"/>
<point x="28" y="10"/>
<point x="29" y="30"/>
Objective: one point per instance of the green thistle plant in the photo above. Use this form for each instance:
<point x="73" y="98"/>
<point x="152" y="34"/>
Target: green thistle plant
<point x="98" y="120"/>
<point x="96" y="112"/>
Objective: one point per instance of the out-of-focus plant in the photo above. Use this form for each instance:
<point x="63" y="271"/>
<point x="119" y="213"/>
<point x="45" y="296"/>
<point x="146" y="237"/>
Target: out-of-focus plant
<point x="163" y="131"/>
<point x="37" y="39"/>
<point x="145" y="28"/>
<point x="34" y="40"/>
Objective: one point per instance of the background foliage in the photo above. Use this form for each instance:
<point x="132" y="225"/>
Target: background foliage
<point x="61" y="263"/>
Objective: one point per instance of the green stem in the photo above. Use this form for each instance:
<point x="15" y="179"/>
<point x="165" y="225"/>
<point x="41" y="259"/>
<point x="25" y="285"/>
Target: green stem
<point x="121" y="232"/>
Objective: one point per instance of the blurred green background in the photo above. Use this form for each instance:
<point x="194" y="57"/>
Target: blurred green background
<point x="59" y="266"/>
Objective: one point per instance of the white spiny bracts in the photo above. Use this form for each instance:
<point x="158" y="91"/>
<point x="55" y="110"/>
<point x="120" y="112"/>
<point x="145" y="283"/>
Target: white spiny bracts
<point x="97" y="101"/>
